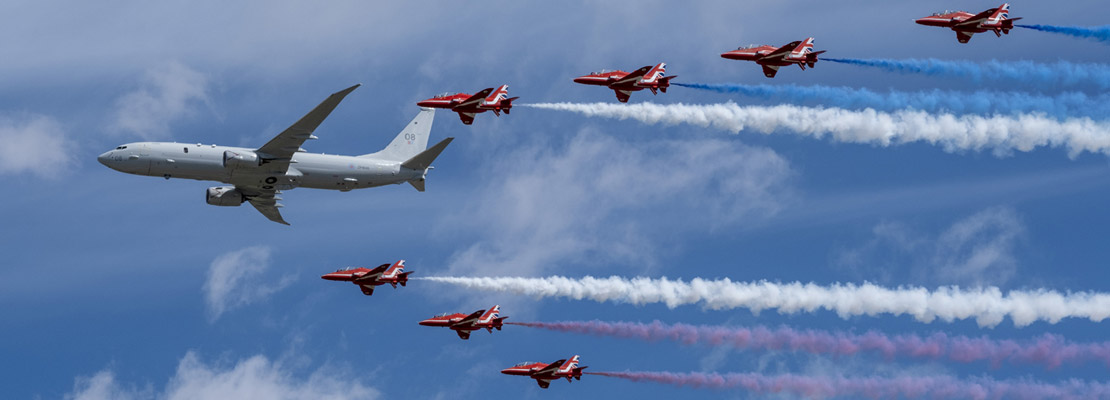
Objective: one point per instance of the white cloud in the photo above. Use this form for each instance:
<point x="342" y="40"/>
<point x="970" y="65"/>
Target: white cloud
<point x="34" y="144"/>
<point x="253" y="378"/>
<point x="168" y="93"/>
<point x="237" y="279"/>
<point x="103" y="385"/>
<point x="590" y="200"/>
<point x="977" y="250"/>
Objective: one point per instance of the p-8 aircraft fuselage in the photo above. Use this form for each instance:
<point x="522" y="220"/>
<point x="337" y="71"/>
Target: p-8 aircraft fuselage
<point x="238" y="166"/>
<point x="258" y="175"/>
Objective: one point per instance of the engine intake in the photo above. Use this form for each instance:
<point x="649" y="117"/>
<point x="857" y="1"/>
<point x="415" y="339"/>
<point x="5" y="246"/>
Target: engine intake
<point x="225" y="196"/>
<point x="241" y="159"/>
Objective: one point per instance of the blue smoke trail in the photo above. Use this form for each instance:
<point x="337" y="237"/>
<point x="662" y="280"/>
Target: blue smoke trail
<point x="1074" y="104"/>
<point x="1099" y="33"/>
<point x="1010" y="72"/>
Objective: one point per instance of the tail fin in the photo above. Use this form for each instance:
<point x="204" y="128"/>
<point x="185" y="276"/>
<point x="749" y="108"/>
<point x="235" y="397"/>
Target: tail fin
<point x="494" y="99"/>
<point x="411" y="141"/>
<point x="654" y="74"/>
<point x="490" y="314"/>
<point x="1001" y="13"/>
<point x="394" y="269"/>
<point x="803" y="48"/>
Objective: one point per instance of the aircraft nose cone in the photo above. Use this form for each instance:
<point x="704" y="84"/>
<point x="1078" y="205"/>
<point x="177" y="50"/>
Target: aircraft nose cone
<point x="103" y="158"/>
<point x="580" y="79"/>
<point x="426" y="322"/>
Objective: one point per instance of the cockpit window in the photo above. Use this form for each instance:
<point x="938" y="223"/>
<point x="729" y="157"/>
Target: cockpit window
<point x="524" y="363"/>
<point x="121" y="147"/>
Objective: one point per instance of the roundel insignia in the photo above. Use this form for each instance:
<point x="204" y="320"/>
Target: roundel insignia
<point x="271" y="180"/>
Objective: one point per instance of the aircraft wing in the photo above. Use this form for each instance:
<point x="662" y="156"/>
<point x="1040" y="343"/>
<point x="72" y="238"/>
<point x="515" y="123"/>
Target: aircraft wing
<point x="633" y="76"/>
<point x="374" y="274"/>
<point x="466" y="117"/>
<point x="265" y="201"/>
<point x="781" y="52"/>
<point x="976" y="19"/>
<point x="550" y="369"/>
<point x="770" y="70"/>
<point x="623" y="95"/>
<point x="476" y="98"/>
<point x="471" y="319"/>
<point x="279" y="151"/>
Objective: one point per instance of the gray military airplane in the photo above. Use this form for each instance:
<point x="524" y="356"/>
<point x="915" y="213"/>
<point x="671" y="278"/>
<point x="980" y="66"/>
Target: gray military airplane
<point x="259" y="175"/>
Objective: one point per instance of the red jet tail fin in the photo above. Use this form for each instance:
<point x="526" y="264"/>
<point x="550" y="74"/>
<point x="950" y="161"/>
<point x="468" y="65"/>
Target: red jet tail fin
<point x="802" y="49"/>
<point x="1000" y="14"/>
<point x="394" y="269"/>
<point x="496" y="97"/>
<point x="654" y="74"/>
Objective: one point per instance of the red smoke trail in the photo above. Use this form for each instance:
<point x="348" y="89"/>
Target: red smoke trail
<point x="1048" y="350"/>
<point x="935" y="387"/>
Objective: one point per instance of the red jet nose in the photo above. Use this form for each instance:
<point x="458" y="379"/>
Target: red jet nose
<point x="581" y="79"/>
<point x="426" y="322"/>
<point x="331" y="277"/>
<point x="425" y="103"/>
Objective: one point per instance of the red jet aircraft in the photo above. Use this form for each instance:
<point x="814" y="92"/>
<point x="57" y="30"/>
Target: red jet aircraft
<point x="467" y="106"/>
<point x="367" y="278"/>
<point x="771" y="58"/>
<point x="624" y="83"/>
<point x="463" y="324"/>
<point x="966" y="24"/>
<point x="545" y="373"/>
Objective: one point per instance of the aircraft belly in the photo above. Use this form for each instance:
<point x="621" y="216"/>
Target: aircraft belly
<point x="342" y="179"/>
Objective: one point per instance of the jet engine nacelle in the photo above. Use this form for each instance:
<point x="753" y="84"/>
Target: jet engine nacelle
<point x="227" y="196"/>
<point x="241" y="159"/>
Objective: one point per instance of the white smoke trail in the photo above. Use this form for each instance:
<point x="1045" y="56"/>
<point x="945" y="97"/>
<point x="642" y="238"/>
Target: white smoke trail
<point x="1003" y="133"/>
<point x="987" y="305"/>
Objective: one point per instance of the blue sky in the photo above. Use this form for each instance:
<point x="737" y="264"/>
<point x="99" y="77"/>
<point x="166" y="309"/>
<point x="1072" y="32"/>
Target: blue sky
<point x="118" y="286"/>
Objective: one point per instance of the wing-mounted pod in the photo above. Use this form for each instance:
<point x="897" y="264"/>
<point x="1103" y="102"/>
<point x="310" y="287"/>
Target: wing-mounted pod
<point x="235" y="159"/>
<point x="225" y="196"/>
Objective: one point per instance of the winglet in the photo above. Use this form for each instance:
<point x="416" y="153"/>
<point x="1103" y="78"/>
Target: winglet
<point x="288" y="141"/>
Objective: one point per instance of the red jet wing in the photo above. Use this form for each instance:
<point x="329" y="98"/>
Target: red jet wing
<point x="632" y="77"/>
<point x="473" y="101"/>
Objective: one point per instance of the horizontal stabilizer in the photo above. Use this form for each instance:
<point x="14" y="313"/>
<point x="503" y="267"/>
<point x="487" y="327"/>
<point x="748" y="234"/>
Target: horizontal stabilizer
<point x="424" y="160"/>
